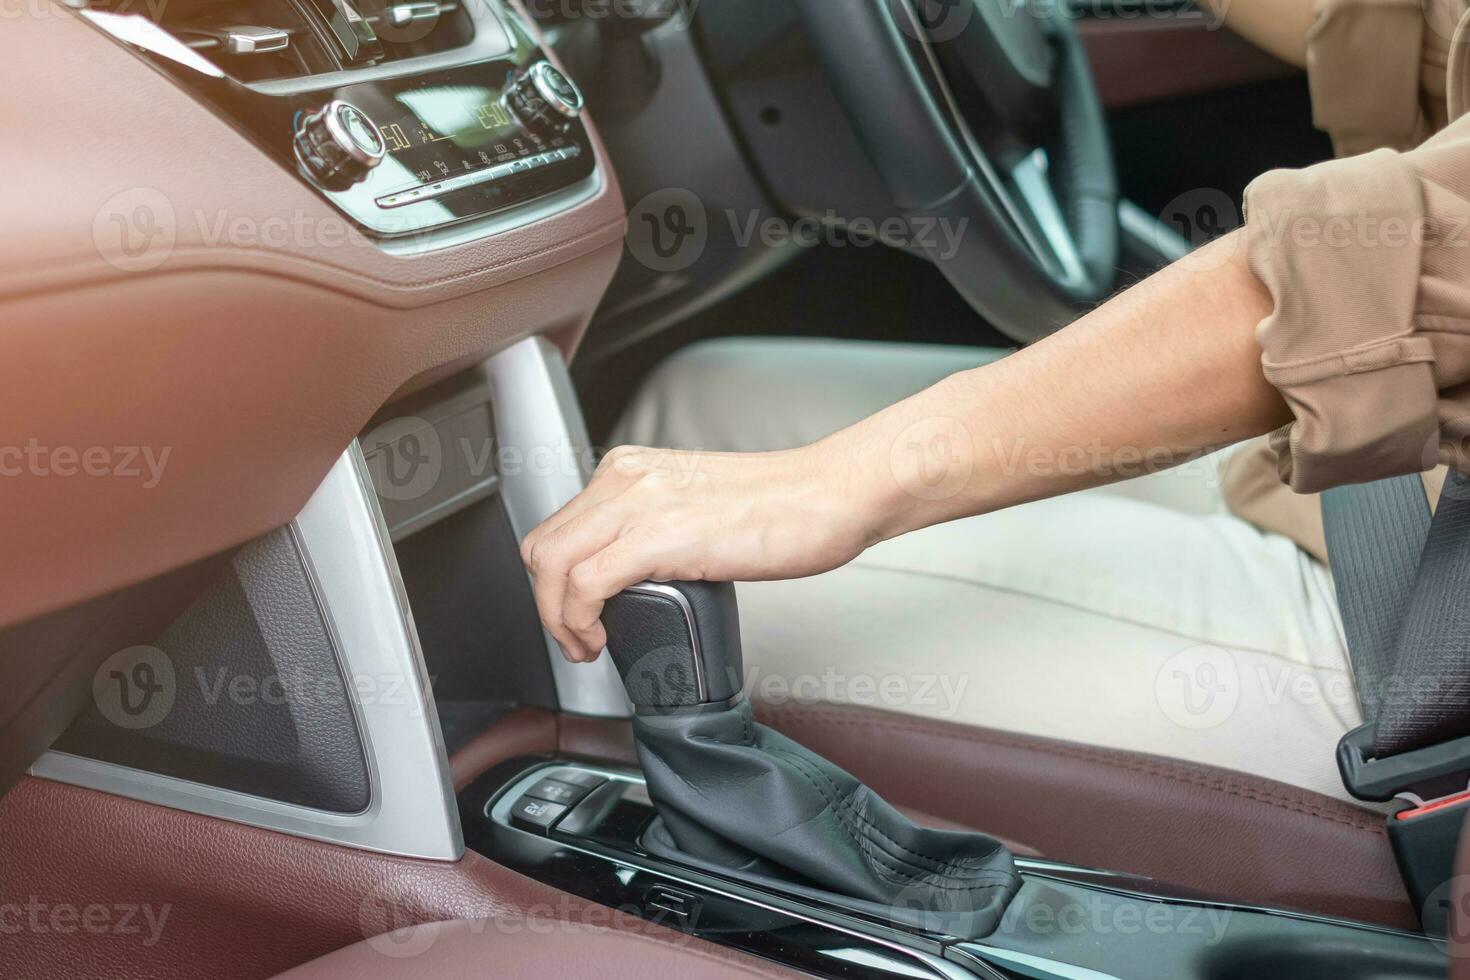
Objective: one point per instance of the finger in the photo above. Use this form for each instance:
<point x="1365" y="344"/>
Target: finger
<point x="553" y="558"/>
<point x="632" y="558"/>
<point x="607" y="482"/>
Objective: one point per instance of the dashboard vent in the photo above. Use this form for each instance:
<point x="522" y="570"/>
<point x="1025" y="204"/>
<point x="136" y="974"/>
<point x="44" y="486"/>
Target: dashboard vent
<point x="260" y="40"/>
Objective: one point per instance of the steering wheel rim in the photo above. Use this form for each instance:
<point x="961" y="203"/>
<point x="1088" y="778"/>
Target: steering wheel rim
<point x="933" y="100"/>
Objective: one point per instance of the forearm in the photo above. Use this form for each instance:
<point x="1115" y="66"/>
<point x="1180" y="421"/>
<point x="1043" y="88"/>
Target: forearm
<point x="1162" y="373"/>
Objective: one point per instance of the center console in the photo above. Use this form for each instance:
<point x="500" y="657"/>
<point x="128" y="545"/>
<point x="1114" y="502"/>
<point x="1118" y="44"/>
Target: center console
<point x="580" y="826"/>
<point x="730" y="831"/>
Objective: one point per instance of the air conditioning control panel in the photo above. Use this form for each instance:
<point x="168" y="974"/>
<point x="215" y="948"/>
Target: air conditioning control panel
<point x="408" y="147"/>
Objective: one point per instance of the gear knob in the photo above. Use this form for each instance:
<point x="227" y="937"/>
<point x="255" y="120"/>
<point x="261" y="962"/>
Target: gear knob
<point x="676" y="644"/>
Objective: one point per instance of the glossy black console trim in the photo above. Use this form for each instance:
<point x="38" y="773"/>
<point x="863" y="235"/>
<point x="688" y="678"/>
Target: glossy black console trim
<point x="1066" y="922"/>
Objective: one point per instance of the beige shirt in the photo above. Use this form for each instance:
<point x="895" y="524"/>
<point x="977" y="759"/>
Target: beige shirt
<point x="1368" y="260"/>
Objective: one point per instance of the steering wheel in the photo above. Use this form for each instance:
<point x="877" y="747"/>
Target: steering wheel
<point x="984" y="114"/>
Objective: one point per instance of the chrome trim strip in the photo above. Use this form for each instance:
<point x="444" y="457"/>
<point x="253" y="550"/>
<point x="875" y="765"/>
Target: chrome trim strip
<point x="472" y="230"/>
<point x="669" y="592"/>
<point x="449" y="185"/>
<point x="536" y="414"/>
<point x="412" y="810"/>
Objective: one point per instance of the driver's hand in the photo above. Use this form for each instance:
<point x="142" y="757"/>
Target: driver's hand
<point x="682" y="516"/>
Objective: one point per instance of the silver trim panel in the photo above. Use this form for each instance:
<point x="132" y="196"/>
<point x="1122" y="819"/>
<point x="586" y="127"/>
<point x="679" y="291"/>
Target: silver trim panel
<point x="537" y="416"/>
<point x="412" y="810"/>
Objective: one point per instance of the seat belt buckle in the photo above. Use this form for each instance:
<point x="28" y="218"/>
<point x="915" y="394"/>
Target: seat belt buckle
<point x="1432" y="787"/>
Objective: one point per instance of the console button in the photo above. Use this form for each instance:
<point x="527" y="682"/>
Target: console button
<point x="534" y="814"/>
<point x="578" y="777"/>
<point x="544" y="100"/>
<point x="553" y="791"/>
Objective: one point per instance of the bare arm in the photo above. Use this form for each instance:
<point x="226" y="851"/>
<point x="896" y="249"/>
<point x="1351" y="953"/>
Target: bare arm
<point x="1159" y="374"/>
<point x="1277" y="26"/>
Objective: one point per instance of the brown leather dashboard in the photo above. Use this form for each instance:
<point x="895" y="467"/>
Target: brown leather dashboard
<point x="172" y="398"/>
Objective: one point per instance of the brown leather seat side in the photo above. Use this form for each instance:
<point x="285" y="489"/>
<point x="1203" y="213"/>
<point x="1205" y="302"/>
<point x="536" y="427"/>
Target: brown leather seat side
<point x="481" y="948"/>
<point x="1226" y="833"/>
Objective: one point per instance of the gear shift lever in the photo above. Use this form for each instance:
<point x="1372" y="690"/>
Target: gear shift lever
<point x="676" y="645"/>
<point x="737" y="795"/>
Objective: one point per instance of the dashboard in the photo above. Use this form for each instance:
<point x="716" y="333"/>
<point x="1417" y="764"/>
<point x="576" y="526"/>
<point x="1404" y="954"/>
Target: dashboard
<point x="178" y="283"/>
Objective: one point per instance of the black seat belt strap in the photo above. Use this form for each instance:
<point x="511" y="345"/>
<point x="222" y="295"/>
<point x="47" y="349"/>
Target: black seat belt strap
<point x="1375" y="535"/>
<point x="1403" y="585"/>
<point x="1429" y="697"/>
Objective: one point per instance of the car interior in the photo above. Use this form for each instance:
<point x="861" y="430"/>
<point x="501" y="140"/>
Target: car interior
<point x="313" y="309"/>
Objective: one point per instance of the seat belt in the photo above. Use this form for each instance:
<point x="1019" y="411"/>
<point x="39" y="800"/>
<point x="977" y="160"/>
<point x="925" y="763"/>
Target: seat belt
<point x="1403" y="586"/>
<point x="1375" y="534"/>
<point x="1434" y="640"/>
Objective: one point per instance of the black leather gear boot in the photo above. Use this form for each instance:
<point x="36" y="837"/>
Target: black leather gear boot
<point x="735" y="794"/>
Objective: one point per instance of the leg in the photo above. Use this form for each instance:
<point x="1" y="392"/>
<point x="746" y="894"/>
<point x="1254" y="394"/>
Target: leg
<point x="1142" y="617"/>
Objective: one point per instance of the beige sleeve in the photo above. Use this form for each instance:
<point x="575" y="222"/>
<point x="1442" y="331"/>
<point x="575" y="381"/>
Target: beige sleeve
<point x="1365" y="67"/>
<point x="1368" y="261"/>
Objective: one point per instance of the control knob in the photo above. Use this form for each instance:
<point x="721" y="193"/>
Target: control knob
<point x="544" y="100"/>
<point x="338" y="145"/>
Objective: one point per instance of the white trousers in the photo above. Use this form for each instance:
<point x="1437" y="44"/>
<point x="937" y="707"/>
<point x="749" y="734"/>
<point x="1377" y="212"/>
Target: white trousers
<point x="1139" y="616"/>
